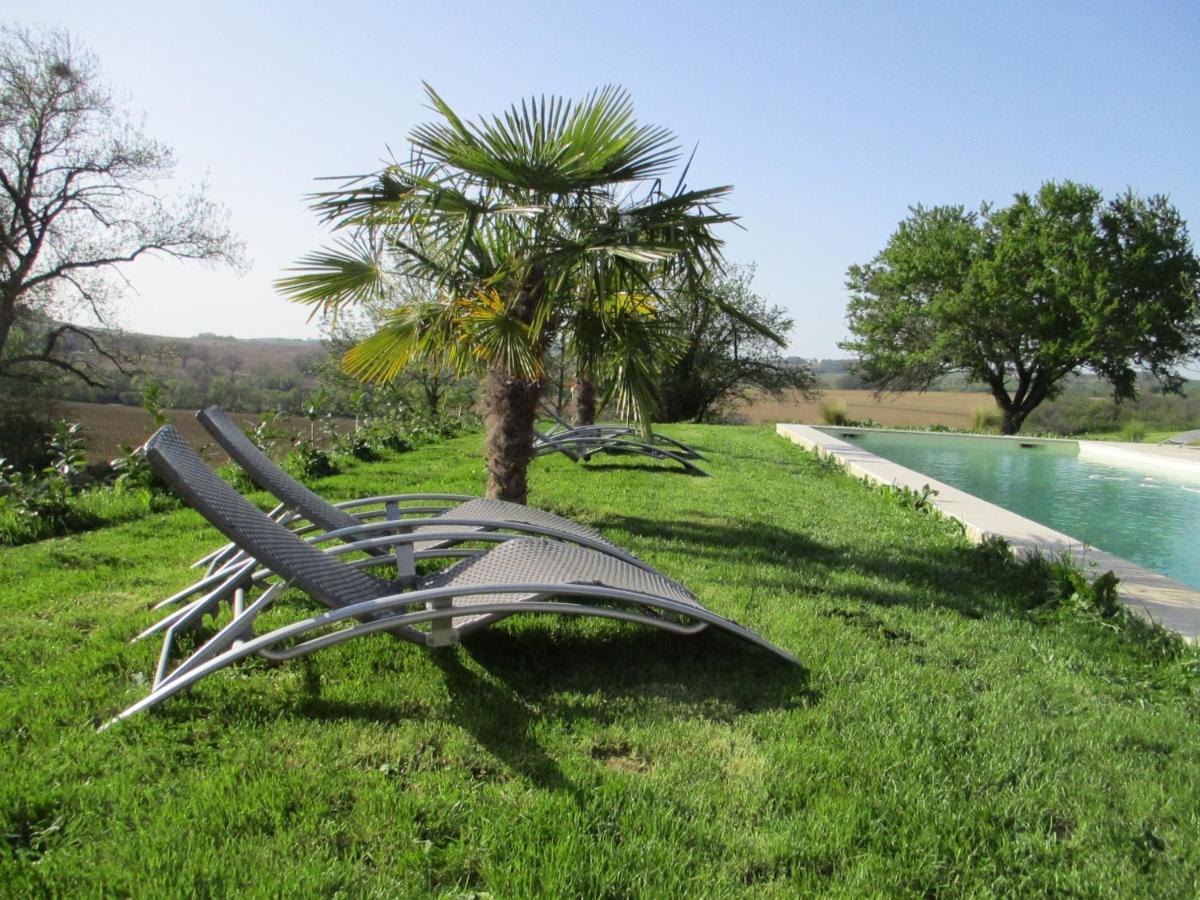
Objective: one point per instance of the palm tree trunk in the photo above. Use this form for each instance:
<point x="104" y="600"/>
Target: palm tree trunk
<point x="508" y="422"/>
<point x="584" y="394"/>
<point x="511" y="412"/>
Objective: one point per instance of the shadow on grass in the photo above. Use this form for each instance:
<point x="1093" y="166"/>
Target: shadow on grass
<point x="710" y="671"/>
<point x="663" y="468"/>
<point x="500" y="722"/>
<point x="768" y="556"/>
<point x="528" y="672"/>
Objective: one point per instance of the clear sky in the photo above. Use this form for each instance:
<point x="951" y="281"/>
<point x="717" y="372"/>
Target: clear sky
<point x="829" y="119"/>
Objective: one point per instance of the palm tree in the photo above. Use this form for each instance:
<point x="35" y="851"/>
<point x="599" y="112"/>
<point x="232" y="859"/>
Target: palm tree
<point x="551" y="218"/>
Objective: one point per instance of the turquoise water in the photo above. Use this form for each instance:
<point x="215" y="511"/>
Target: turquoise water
<point x="1148" y="517"/>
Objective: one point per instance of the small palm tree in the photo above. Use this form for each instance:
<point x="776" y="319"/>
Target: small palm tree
<point x="549" y="218"/>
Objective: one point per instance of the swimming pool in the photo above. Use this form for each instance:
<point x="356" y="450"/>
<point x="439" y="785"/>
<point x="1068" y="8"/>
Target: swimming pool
<point x="1148" y="516"/>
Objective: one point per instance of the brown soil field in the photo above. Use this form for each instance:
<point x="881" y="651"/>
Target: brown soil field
<point x="952" y="408"/>
<point x="107" y="425"/>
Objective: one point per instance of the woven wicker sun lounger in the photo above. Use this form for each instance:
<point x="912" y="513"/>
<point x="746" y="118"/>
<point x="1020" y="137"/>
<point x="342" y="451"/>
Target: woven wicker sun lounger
<point x="521" y="575"/>
<point x="563" y="428"/>
<point x="580" y="445"/>
<point x="1184" y="438"/>
<point x="297" y="502"/>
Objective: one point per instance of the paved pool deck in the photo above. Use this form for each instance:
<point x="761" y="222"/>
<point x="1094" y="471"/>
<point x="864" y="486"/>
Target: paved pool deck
<point x="1156" y="597"/>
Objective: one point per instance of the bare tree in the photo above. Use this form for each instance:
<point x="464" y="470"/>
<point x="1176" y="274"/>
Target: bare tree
<point x="232" y="362"/>
<point x="81" y="194"/>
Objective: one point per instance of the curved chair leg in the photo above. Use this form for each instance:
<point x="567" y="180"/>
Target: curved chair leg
<point x="211" y="657"/>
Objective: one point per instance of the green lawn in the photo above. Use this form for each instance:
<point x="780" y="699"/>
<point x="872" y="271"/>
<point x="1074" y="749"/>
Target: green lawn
<point x="938" y="742"/>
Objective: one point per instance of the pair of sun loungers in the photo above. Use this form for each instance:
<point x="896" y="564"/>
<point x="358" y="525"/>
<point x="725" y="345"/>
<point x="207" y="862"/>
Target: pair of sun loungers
<point x="581" y="442"/>
<point x="532" y="561"/>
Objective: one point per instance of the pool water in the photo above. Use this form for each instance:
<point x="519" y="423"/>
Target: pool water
<point x="1148" y="517"/>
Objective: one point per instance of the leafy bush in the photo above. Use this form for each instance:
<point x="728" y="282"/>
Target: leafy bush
<point x="236" y="476"/>
<point x="132" y="471"/>
<point x="1133" y="431"/>
<point x="985" y="418"/>
<point x="308" y="462"/>
<point x="265" y="434"/>
<point x="40" y="505"/>
<point x="357" y="445"/>
<point x="833" y="412"/>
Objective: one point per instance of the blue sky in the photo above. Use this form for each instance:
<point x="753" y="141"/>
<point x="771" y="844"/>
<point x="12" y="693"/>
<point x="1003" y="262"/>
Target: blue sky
<point x="829" y="119"/>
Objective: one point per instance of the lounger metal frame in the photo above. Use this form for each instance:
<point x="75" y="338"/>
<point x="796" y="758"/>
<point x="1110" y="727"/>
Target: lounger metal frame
<point x="562" y="428"/>
<point x="418" y="600"/>
<point x="1183" y="439"/>
<point x="582" y="444"/>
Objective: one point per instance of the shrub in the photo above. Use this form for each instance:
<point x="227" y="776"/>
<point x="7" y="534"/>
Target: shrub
<point x="985" y="418"/>
<point x="308" y="461"/>
<point x="833" y="412"/>
<point x="1133" y="431"/>
<point x="133" y="471"/>
<point x="1080" y="411"/>
<point x="236" y="476"/>
<point x="358" y="445"/>
<point x="265" y="434"/>
<point x="36" y="506"/>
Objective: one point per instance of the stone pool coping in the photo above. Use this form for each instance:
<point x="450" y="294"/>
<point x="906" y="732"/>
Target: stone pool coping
<point x="1154" y="596"/>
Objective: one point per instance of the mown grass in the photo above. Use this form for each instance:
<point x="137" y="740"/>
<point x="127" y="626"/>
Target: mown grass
<point x="938" y="741"/>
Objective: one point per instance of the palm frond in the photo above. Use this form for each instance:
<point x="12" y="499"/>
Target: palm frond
<point x="548" y="145"/>
<point x="349" y="272"/>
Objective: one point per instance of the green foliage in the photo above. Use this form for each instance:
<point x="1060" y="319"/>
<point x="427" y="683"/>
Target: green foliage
<point x="728" y="349"/>
<point x="132" y="471"/>
<point x="833" y="412"/>
<point x="357" y="445"/>
<point x="920" y="501"/>
<point x="308" y="462"/>
<point x="237" y="477"/>
<point x="153" y="400"/>
<point x="1133" y="430"/>
<point x="986" y="419"/>
<point x="1069" y="587"/>
<point x="33" y="506"/>
<point x="1020" y="297"/>
<point x="1080" y="410"/>
<point x="26" y="415"/>
<point x="266" y="432"/>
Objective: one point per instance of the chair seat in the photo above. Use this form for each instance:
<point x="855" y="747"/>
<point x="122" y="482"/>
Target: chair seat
<point x="536" y="561"/>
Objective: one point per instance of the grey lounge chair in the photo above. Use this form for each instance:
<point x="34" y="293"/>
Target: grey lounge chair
<point x="298" y="502"/>
<point x="1183" y="439"/>
<point x="521" y="575"/>
<point x="563" y="428"/>
<point x="581" y="445"/>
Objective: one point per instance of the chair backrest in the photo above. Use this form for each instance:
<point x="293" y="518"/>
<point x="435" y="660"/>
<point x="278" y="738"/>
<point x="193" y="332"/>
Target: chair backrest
<point x="326" y="578"/>
<point x="267" y="475"/>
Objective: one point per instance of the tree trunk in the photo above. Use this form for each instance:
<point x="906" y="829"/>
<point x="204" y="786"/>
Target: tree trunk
<point x="508" y="422"/>
<point x="7" y="319"/>
<point x="511" y="412"/>
<point x="1014" y="414"/>
<point x="584" y="394"/>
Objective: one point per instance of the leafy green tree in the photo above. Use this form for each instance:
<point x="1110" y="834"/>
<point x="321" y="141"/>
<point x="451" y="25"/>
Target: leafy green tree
<point x="724" y="356"/>
<point x="1020" y="297"/>
<point x="546" y="219"/>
